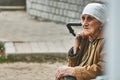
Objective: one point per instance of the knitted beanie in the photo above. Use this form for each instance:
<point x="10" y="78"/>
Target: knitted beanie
<point x="96" y="10"/>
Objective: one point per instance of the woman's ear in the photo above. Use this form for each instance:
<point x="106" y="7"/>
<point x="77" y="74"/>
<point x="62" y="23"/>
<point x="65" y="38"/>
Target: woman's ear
<point x="101" y="27"/>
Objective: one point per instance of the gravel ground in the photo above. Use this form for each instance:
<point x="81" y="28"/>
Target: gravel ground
<point x="29" y="71"/>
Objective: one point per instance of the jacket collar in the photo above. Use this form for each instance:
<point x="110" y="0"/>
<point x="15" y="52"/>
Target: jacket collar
<point x="93" y="40"/>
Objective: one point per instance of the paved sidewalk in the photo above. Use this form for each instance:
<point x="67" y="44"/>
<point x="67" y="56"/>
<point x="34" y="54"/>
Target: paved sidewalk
<point x="23" y="34"/>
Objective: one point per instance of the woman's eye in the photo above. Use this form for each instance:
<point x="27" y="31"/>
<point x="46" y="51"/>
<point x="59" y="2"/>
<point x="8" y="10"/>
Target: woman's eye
<point x="90" y="18"/>
<point x="83" y="18"/>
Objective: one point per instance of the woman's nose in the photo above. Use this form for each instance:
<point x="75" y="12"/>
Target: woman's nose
<point x="85" y="23"/>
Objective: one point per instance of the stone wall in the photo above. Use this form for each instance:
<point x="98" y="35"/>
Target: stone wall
<point x="57" y="10"/>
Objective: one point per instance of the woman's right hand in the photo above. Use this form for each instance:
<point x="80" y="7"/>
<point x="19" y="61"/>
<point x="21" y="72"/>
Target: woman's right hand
<point x="77" y="41"/>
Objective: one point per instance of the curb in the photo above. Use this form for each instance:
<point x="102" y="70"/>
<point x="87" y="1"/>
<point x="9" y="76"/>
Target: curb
<point x="42" y="57"/>
<point x="12" y="8"/>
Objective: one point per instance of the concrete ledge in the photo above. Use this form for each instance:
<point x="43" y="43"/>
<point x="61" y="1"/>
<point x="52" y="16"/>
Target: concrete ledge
<point x="36" y="51"/>
<point x="36" y="47"/>
<point x="12" y="7"/>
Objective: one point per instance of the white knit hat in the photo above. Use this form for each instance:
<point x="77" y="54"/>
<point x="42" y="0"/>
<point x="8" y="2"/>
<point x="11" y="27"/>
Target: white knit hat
<point x="96" y="10"/>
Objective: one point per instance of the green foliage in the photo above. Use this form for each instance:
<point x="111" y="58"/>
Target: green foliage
<point x="3" y="59"/>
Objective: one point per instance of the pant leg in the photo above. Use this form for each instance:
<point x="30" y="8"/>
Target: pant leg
<point x="68" y="78"/>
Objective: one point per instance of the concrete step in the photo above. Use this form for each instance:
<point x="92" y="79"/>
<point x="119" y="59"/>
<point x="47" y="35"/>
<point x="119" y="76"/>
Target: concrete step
<point x="37" y="47"/>
<point x="23" y="50"/>
<point x="42" y="47"/>
<point x="12" y="7"/>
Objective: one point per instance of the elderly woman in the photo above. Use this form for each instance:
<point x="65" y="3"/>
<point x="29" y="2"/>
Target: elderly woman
<point x="86" y="56"/>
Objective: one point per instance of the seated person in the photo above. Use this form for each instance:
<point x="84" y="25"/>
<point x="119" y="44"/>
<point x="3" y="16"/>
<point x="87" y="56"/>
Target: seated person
<point x="85" y="58"/>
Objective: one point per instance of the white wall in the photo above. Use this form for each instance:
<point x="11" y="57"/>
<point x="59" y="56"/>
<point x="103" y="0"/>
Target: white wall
<point x="113" y="41"/>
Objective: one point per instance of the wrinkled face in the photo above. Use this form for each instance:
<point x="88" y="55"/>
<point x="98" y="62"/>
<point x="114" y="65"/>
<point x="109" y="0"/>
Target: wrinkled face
<point x="90" y="24"/>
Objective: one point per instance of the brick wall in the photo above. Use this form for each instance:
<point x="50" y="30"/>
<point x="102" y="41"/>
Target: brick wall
<point x="57" y="10"/>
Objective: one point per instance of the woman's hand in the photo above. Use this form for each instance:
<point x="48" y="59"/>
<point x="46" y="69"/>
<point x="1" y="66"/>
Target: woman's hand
<point x="64" y="71"/>
<point x="77" y="41"/>
<point x="83" y="34"/>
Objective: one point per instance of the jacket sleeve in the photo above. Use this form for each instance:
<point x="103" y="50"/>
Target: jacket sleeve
<point x="73" y="58"/>
<point x="90" y="72"/>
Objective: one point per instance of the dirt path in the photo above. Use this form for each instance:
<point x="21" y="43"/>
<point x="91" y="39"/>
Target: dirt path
<point x="29" y="71"/>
